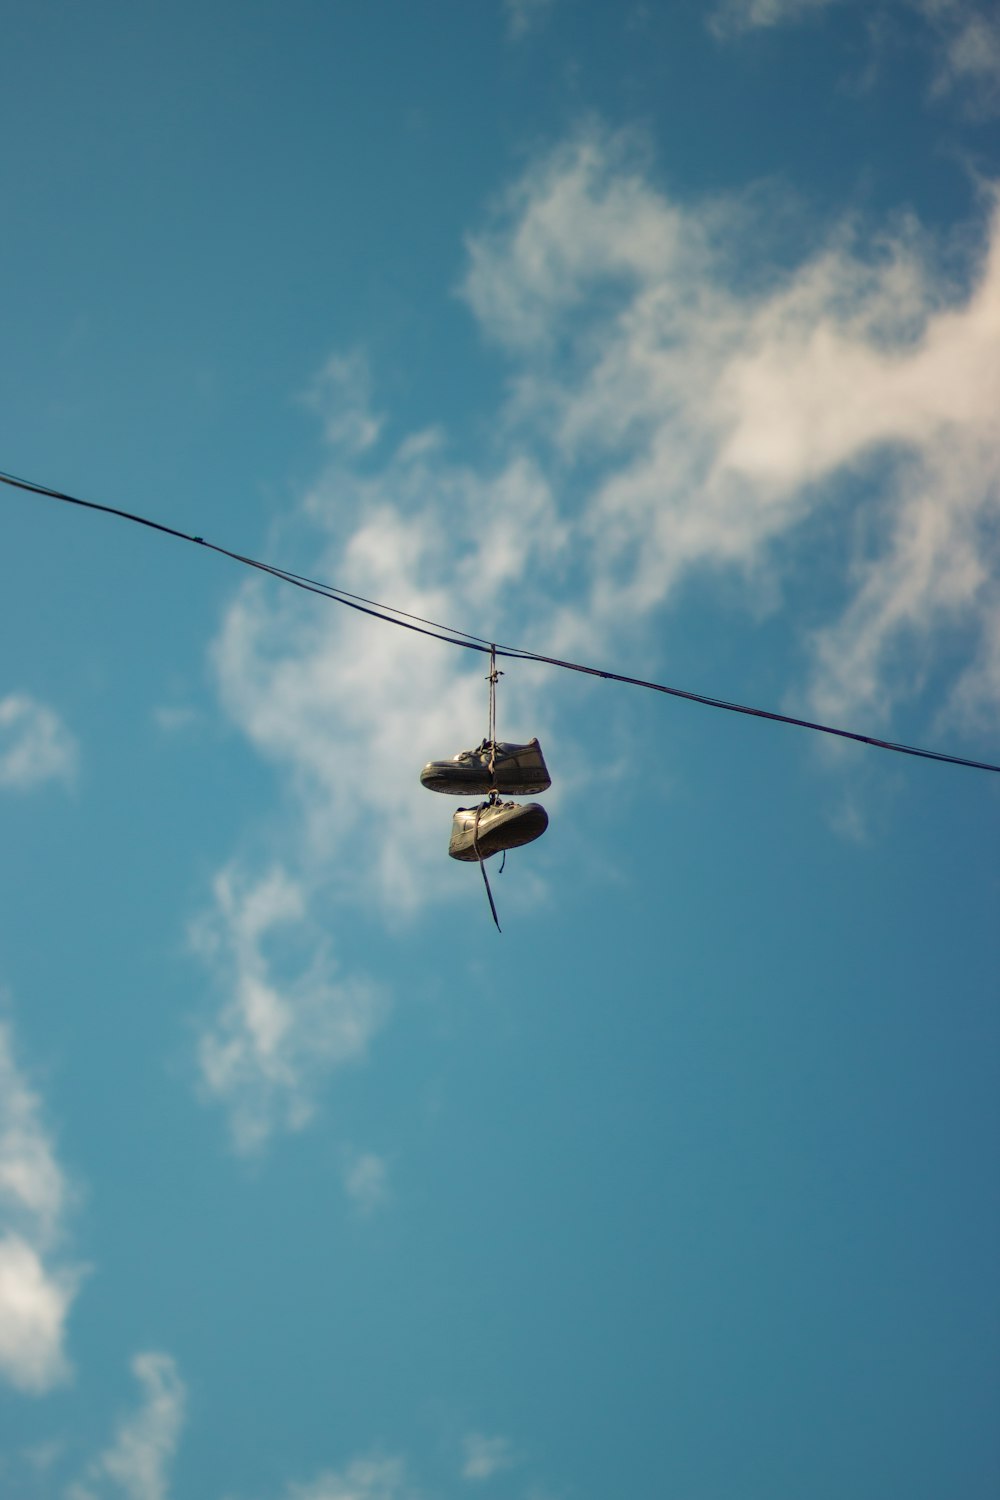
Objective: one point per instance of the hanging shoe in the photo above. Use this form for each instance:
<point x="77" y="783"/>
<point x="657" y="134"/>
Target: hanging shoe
<point x="519" y="771"/>
<point x="501" y="825"/>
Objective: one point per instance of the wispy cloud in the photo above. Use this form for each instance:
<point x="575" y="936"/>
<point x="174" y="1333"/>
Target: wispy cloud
<point x="694" y="410"/>
<point x="35" y="745"/>
<point x="719" y="418"/>
<point x="383" y="1477"/>
<point x="969" y="56"/>
<point x="366" y="1180"/>
<point x="172" y="719"/>
<point x="373" y="1478"/>
<point x="485" y="1456"/>
<point x="34" y="1303"/>
<point x="137" y="1463"/>
<point x="692" y="401"/>
<point x="283" y="1024"/>
<point x="524" y="16"/>
<point x="349" y="708"/>
<point x="35" y="1293"/>
<point x="963" y="35"/>
<point x="731" y="17"/>
<point x="341" y="395"/>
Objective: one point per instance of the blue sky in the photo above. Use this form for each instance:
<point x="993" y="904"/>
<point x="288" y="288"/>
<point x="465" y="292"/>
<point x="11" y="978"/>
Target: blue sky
<point x="662" y="337"/>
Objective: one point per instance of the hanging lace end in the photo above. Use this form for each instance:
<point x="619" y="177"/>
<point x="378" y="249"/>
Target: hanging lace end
<point x="482" y="865"/>
<point x="489" y="895"/>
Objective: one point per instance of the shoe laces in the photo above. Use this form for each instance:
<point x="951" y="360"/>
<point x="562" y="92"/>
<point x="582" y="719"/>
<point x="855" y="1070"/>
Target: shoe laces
<point x="477" y="754"/>
<point x="482" y="863"/>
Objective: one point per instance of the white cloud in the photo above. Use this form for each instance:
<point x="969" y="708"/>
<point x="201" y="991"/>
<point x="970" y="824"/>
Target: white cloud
<point x="277" y="1033"/>
<point x="734" y="16"/>
<point x="374" y="1478"/>
<point x="366" y="1180"/>
<point x="524" y="16"/>
<point x="692" y="403"/>
<point x="378" y="1477"/>
<point x="350" y="708"/>
<point x="963" y="34"/>
<point x="34" y="1303"/>
<point x="172" y="719"/>
<point x="718" y="418"/>
<point x="341" y="396"/>
<point x="35" y="1295"/>
<point x="137" y="1463"/>
<point x="32" y="1185"/>
<point x="35" y="745"/>
<point x="485" y="1456"/>
<point x="41" y="1457"/>
<point x="969" y="37"/>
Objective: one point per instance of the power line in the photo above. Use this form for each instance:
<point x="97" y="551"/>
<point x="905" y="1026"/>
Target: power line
<point x="455" y="637"/>
<point x="298" y="580"/>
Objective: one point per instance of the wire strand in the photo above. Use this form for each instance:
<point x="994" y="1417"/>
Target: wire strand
<point x="451" y="636"/>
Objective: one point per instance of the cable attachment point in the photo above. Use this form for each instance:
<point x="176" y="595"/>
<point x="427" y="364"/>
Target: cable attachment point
<point x="493" y="679"/>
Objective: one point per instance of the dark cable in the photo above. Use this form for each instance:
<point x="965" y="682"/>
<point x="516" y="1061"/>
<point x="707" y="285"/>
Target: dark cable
<point x="453" y="637"/>
<point x="352" y="601"/>
<point x="756" y="713"/>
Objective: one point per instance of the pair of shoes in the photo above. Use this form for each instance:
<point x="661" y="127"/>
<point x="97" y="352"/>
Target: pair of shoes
<point x="518" y="771"/>
<point x="479" y="832"/>
<point x="492" y="769"/>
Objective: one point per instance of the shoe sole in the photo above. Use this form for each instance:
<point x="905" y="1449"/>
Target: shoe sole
<point x="454" y="784"/>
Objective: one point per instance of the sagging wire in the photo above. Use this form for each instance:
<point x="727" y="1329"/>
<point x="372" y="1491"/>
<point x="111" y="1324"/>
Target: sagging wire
<point x="453" y="636"/>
